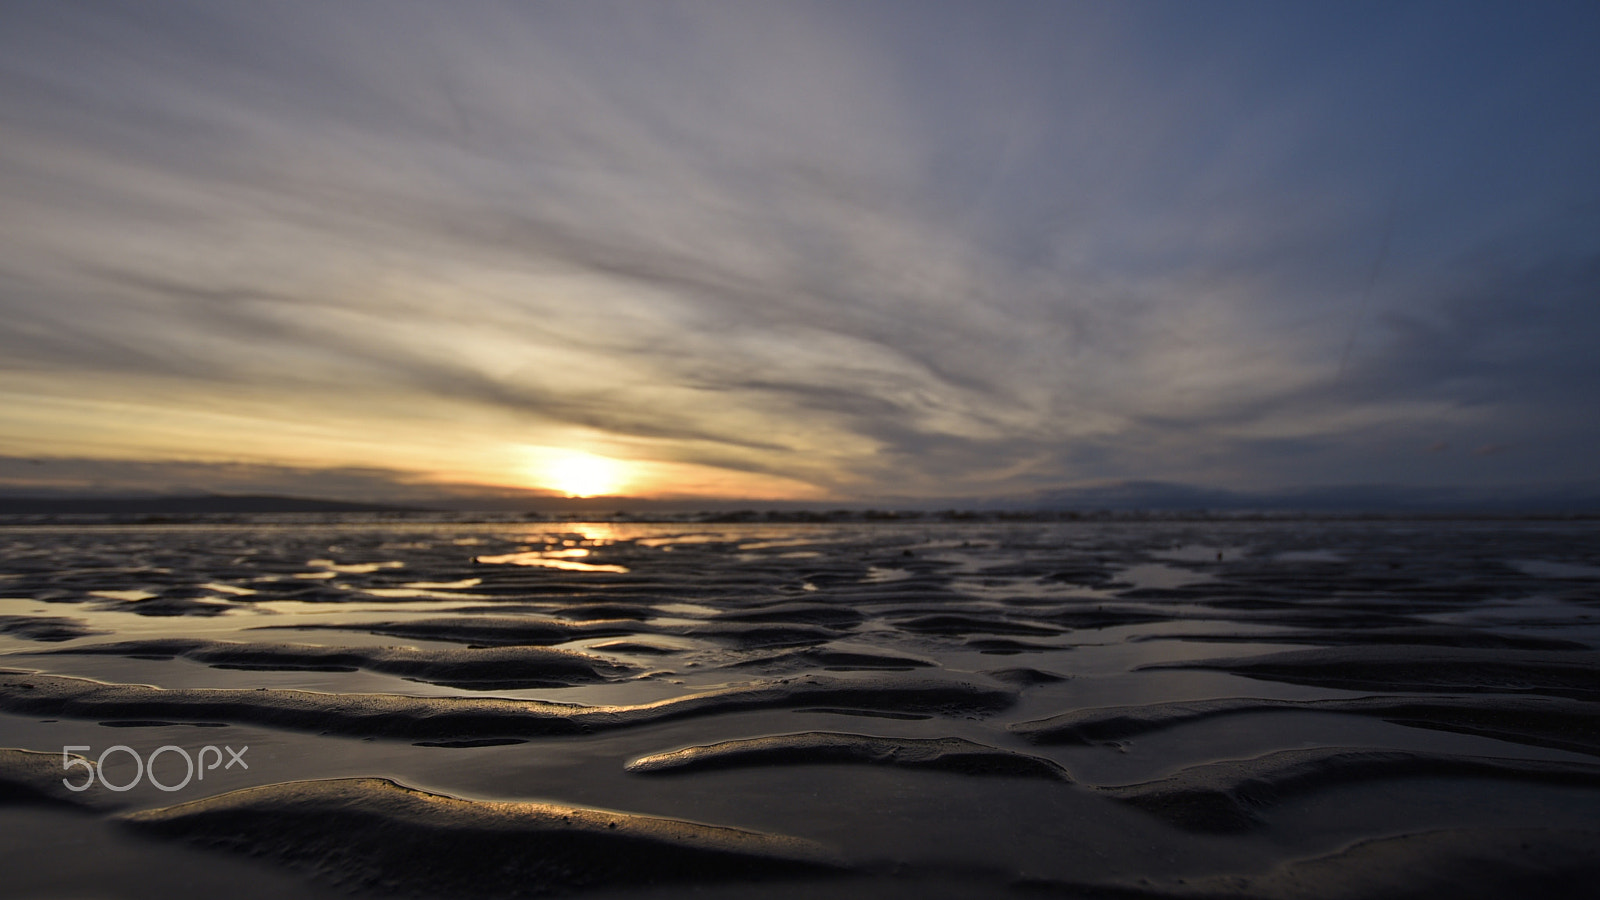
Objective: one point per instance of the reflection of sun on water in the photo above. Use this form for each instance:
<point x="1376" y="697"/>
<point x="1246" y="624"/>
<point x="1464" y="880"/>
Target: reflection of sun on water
<point x="579" y="474"/>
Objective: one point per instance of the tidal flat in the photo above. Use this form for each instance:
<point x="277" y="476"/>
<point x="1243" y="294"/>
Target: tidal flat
<point x="274" y="706"/>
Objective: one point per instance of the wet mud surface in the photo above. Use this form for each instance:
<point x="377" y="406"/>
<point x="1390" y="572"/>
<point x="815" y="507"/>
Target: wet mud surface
<point x="1203" y="709"/>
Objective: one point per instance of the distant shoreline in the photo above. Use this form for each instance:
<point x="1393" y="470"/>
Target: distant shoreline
<point x="266" y="510"/>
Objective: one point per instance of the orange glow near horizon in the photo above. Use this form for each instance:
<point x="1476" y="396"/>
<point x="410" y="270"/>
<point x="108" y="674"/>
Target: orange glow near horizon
<point x="579" y="474"/>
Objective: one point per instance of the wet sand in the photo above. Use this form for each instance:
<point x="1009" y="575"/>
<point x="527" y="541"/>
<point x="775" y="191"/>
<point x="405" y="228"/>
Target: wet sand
<point x="1206" y="709"/>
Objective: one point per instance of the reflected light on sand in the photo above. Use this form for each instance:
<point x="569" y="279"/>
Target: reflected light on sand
<point x="547" y="560"/>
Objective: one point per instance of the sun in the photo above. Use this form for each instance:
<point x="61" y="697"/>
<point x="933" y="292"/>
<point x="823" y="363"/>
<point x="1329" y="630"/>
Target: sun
<point x="579" y="474"/>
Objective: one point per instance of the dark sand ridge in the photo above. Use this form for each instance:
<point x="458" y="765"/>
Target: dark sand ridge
<point x="818" y="747"/>
<point x="836" y="660"/>
<point x="1399" y="616"/>
<point x="1224" y="796"/>
<point x="377" y="835"/>
<point x="587" y="609"/>
<point x="1304" y="614"/>
<point x="1066" y="570"/>
<point x="964" y="624"/>
<point x="829" y="615"/>
<point x="484" y="630"/>
<point x="45" y="628"/>
<point x="1459" y="863"/>
<point x="755" y="635"/>
<point x="28" y="776"/>
<point x="1022" y="676"/>
<point x="1414" y="635"/>
<point x="501" y="631"/>
<point x="1566" y="673"/>
<point x="1104" y="616"/>
<point x="1536" y="721"/>
<point x="1274" y="587"/>
<point x="500" y="668"/>
<point x="1009" y="646"/>
<point x="472" y="718"/>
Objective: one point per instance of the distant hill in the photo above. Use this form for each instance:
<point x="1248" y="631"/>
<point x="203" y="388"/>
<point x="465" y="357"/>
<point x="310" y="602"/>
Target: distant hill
<point x="1158" y="495"/>
<point x="190" y="505"/>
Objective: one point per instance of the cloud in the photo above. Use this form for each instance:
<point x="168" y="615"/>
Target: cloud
<point x="47" y="476"/>
<point x="898" y="249"/>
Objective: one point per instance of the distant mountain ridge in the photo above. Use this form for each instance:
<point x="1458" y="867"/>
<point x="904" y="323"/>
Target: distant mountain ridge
<point x="1159" y="495"/>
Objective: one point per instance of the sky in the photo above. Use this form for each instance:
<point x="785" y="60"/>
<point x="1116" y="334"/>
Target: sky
<point x="799" y="250"/>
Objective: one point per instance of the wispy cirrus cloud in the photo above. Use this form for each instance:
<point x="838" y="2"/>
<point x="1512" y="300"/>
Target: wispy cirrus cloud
<point x="905" y="249"/>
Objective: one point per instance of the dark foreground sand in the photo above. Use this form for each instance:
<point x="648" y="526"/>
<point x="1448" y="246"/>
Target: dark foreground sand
<point x="1291" y="709"/>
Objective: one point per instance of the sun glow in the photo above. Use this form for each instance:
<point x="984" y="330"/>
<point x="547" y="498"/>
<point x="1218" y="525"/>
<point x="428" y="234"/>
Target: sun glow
<point x="579" y="474"/>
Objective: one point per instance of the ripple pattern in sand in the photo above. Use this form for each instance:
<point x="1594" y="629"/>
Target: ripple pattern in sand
<point x="870" y="706"/>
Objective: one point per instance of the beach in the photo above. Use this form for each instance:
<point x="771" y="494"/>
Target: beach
<point x="319" y="706"/>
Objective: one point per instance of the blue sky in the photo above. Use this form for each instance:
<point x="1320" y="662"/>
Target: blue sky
<point x="805" y="250"/>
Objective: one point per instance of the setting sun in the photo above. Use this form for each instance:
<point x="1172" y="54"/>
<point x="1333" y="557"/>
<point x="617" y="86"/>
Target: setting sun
<point x="579" y="474"/>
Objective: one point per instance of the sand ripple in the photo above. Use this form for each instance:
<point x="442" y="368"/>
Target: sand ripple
<point x="810" y="748"/>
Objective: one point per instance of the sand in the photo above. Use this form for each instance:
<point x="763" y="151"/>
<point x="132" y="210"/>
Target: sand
<point x="1204" y="709"/>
